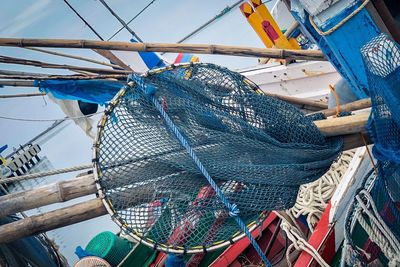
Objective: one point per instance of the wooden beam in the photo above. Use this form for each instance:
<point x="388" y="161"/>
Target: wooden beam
<point x="165" y="47"/>
<point x="74" y="57"/>
<point x="302" y="102"/>
<point x="20" y="73"/>
<point x="45" y="195"/>
<point x="351" y="141"/>
<point x="343" y="125"/>
<point x="36" y="63"/>
<point x="356" y="105"/>
<point x="17" y="83"/>
<point x="113" y="58"/>
<point x="22" y="95"/>
<point x="52" y="220"/>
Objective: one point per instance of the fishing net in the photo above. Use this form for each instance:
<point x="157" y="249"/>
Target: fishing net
<point x="382" y="60"/>
<point x="371" y="227"/>
<point x="367" y="239"/>
<point x="257" y="149"/>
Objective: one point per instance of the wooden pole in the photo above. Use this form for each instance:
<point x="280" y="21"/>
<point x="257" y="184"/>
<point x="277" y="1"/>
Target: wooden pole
<point x="17" y="83"/>
<point x="22" y="95"/>
<point x="164" y="47"/>
<point x="356" y="105"/>
<point x="113" y="58"/>
<point x="73" y="57"/>
<point x="63" y="77"/>
<point x="20" y="73"/>
<point x="355" y="140"/>
<point x="302" y="102"/>
<point x="343" y="125"/>
<point x="36" y="63"/>
<point x="45" y="195"/>
<point x="51" y="220"/>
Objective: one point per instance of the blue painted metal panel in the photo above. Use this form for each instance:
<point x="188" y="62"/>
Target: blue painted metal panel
<point x="342" y="47"/>
<point x="346" y="43"/>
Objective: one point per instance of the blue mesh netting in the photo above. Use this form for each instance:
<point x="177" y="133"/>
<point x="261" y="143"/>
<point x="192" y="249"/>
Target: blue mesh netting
<point x="382" y="59"/>
<point x="258" y="149"/>
<point x="355" y="235"/>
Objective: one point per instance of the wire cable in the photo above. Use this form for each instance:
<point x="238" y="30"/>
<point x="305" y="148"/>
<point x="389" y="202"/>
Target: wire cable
<point x="47" y="120"/>
<point x="87" y="23"/>
<point x="45" y="174"/>
<point x="120" y="20"/>
<point x="137" y="15"/>
<point x="222" y="13"/>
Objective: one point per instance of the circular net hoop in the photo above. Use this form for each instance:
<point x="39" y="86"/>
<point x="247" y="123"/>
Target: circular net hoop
<point x="258" y="149"/>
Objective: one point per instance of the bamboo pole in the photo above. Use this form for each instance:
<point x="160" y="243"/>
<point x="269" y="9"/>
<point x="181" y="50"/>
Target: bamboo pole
<point x="356" y="105"/>
<point x="28" y="76"/>
<point x="113" y="58"/>
<point x="74" y="57"/>
<point x="301" y="102"/>
<point x="17" y="83"/>
<point x="20" y="73"/>
<point x="36" y="63"/>
<point x="164" y="47"/>
<point x="22" y="95"/>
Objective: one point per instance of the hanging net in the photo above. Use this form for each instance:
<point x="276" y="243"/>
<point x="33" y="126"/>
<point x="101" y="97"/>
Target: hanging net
<point x="257" y="149"/>
<point x="382" y="60"/>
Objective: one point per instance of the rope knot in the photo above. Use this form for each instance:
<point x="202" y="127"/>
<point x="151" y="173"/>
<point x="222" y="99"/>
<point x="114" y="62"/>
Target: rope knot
<point x="233" y="210"/>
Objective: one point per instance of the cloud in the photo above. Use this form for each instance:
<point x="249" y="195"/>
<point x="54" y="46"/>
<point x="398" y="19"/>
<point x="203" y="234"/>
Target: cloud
<point x="30" y="15"/>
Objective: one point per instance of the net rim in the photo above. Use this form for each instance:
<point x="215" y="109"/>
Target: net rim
<point x="252" y="225"/>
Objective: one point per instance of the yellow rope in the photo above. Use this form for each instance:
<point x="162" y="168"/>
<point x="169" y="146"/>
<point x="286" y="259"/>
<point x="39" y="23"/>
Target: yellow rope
<point x="338" y="108"/>
<point x="343" y="21"/>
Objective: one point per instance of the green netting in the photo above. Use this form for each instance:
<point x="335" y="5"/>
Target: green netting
<point x="258" y="149"/>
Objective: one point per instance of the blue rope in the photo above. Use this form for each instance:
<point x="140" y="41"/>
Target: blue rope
<point x="233" y="209"/>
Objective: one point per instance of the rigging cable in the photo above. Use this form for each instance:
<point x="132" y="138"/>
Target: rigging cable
<point x="222" y="13"/>
<point x="45" y="174"/>
<point x="121" y="20"/>
<point x="137" y="15"/>
<point x="47" y="120"/>
<point x="87" y="23"/>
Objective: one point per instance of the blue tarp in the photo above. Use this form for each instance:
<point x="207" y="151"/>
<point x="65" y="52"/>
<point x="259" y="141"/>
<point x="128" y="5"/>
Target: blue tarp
<point x="92" y="91"/>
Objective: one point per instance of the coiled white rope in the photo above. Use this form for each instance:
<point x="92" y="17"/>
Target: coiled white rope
<point x="313" y="198"/>
<point x="299" y="241"/>
<point x="377" y="229"/>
